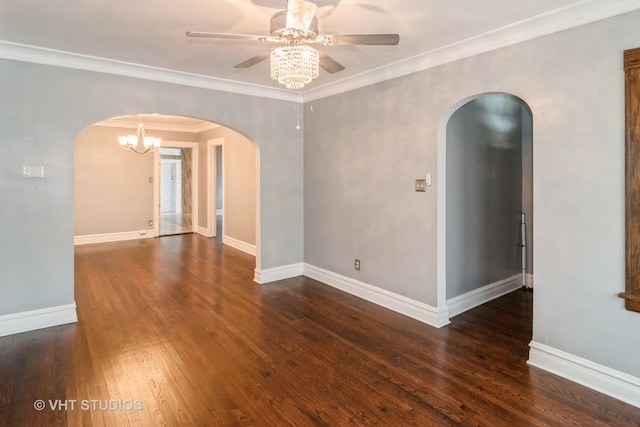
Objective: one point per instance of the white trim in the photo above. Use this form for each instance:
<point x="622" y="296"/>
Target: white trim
<point x="605" y="380"/>
<point x="398" y="303"/>
<point x="239" y="245"/>
<point x="212" y="189"/>
<point x="156" y="193"/>
<point x="218" y="212"/>
<point x="37" y="319"/>
<point x="563" y="18"/>
<point x="89" y="239"/>
<point x="479" y="296"/>
<point x="278" y="273"/>
<point x="570" y="16"/>
<point x="58" y="58"/>
<point x="203" y="231"/>
<point x="530" y="281"/>
<point x="195" y="173"/>
<point x="441" y="196"/>
<point x="121" y="124"/>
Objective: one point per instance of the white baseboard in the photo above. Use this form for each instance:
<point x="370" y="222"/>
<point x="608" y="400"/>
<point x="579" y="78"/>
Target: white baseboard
<point x="530" y="280"/>
<point x="278" y="273"/>
<point x="37" y="319"/>
<point x="398" y="303"/>
<point x="239" y="245"/>
<point x="113" y="237"/>
<point x="479" y="296"/>
<point x="204" y="231"/>
<point x="605" y="380"/>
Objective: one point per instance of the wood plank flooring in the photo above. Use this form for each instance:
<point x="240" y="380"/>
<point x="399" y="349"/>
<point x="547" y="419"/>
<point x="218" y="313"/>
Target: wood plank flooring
<point x="173" y="331"/>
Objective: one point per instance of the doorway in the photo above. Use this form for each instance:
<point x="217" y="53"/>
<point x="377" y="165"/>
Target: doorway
<point x="176" y="191"/>
<point x="216" y="185"/>
<point x="487" y="186"/>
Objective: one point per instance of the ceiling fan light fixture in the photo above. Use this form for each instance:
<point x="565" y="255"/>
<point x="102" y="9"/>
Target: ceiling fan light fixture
<point x="294" y="65"/>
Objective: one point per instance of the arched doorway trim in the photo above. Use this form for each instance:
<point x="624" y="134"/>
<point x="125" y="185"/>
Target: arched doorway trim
<point x="441" y="279"/>
<point x="199" y="128"/>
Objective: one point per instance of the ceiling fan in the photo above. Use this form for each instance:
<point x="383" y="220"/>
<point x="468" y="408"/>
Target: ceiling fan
<point x="295" y="60"/>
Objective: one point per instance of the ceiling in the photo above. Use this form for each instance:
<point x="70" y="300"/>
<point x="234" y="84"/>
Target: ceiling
<point x="160" y="122"/>
<point x="151" y="33"/>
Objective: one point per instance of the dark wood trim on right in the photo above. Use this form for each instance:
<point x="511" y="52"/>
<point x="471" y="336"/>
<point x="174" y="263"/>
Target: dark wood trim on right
<point x="632" y="172"/>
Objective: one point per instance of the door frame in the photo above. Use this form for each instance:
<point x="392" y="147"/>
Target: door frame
<point x="212" y="188"/>
<point x="194" y="183"/>
<point x="442" y="309"/>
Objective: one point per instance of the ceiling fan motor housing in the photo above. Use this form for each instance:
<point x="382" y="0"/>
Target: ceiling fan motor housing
<point x="279" y="29"/>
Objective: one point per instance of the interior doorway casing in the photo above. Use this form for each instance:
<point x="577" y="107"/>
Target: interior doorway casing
<point x="441" y="299"/>
<point x="212" y="184"/>
<point x="194" y="183"/>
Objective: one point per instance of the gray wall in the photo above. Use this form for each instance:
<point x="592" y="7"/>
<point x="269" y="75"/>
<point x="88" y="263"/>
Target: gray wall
<point x="364" y="148"/>
<point x="484" y="193"/>
<point x="44" y="109"/>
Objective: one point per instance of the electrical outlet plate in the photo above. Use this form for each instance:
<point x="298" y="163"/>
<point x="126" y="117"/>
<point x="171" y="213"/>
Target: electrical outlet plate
<point x="421" y="185"/>
<point x="357" y="264"/>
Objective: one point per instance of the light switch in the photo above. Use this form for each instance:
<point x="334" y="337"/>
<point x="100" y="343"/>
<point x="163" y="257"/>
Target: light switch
<point x="421" y="185"/>
<point x="428" y="180"/>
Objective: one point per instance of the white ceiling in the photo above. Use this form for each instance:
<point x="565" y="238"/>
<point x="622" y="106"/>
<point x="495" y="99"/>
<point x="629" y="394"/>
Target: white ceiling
<point x="159" y="122"/>
<point x="152" y="33"/>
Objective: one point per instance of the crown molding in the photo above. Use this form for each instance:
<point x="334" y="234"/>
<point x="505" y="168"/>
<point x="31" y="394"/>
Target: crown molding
<point x="564" y="18"/>
<point x="158" y="126"/>
<point x="574" y="15"/>
<point x="40" y="55"/>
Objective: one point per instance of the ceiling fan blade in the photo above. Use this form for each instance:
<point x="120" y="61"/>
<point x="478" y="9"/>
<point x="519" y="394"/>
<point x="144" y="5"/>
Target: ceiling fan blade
<point x="300" y="14"/>
<point x="253" y="61"/>
<point x="329" y="64"/>
<point x="204" y="34"/>
<point x="364" y="39"/>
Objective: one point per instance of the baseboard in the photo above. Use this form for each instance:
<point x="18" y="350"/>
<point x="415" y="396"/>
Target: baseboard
<point x="278" y="273"/>
<point x="605" y="380"/>
<point x="530" y="281"/>
<point x="112" y="237"/>
<point x="479" y="296"/>
<point x="37" y="319"/>
<point x="398" y="303"/>
<point x="239" y="245"/>
<point x="204" y="231"/>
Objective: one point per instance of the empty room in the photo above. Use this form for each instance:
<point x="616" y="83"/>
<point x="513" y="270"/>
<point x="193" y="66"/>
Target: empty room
<point x="331" y="212"/>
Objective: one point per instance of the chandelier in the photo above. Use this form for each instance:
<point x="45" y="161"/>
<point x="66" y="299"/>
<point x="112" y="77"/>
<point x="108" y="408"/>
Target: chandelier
<point x="132" y="142"/>
<point x="294" y="65"/>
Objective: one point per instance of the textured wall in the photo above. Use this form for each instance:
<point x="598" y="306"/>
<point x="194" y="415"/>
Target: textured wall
<point x="364" y="148"/>
<point x="44" y="109"/>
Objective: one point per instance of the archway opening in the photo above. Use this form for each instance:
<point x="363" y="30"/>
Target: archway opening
<point x="117" y="193"/>
<point x="486" y="191"/>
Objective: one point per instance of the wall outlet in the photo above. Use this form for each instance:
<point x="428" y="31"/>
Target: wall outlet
<point x="357" y="264"/>
<point x="421" y="185"/>
<point x="150" y="223"/>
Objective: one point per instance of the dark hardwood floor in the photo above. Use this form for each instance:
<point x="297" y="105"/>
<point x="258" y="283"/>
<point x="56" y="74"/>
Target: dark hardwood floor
<point x="173" y="331"/>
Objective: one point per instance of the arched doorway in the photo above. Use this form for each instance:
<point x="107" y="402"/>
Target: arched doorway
<point x="485" y="184"/>
<point x="117" y="195"/>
